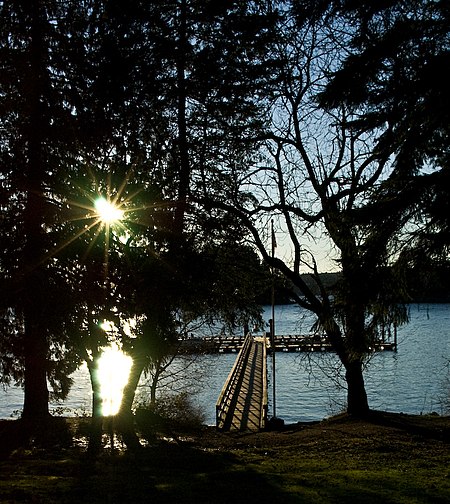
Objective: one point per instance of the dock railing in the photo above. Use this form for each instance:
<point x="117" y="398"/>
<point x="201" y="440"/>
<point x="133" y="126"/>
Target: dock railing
<point x="225" y="397"/>
<point x="265" y="401"/>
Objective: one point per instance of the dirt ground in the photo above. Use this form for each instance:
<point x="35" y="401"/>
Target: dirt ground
<point x="379" y="427"/>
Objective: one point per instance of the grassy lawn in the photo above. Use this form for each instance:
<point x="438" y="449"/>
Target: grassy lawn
<point x="340" y="460"/>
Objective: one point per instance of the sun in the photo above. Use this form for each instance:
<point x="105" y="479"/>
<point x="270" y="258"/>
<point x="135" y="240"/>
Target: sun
<point x="113" y="371"/>
<point x="108" y="212"/>
<point x="103" y="214"/>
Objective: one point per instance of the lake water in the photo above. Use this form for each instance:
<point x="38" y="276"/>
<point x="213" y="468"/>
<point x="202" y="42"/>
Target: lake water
<point x="415" y="379"/>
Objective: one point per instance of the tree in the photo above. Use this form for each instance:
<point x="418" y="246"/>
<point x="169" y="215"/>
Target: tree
<point x="317" y="181"/>
<point x="64" y="105"/>
<point x="395" y="79"/>
<point x="36" y="124"/>
<point x="67" y="110"/>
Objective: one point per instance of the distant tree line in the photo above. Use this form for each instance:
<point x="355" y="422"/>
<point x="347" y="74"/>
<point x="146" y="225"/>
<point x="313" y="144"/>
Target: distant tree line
<point x="425" y="285"/>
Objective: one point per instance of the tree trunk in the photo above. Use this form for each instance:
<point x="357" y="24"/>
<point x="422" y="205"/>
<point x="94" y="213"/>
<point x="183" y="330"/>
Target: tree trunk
<point x="125" y="419"/>
<point x="356" y="345"/>
<point x="35" y="337"/>
<point x="35" y="379"/>
<point x="96" y="431"/>
<point x="357" y="403"/>
<point x="154" y="386"/>
<point x="183" y="155"/>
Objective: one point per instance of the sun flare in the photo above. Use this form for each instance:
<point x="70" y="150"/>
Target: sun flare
<point x="108" y="212"/>
<point x="112" y="373"/>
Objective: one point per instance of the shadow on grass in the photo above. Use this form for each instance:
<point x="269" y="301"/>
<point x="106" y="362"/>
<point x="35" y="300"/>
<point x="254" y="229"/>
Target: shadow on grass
<point x="176" y="474"/>
<point x="315" y="468"/>
<point x="25" y="434"/>
<point x="37" y="464"/>
<point x="163" y="474"/>
<point x="182" y="474"/>
<point x="419" y="425"/>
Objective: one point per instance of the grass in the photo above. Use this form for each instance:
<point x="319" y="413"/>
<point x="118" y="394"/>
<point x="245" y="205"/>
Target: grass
<point x="388" y="458"/>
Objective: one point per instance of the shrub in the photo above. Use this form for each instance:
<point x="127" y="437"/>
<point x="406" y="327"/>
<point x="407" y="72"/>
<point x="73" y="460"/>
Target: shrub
<point x="169" y="412"/>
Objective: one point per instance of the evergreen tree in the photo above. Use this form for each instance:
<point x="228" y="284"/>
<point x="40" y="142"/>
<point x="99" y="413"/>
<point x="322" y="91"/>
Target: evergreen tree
<point x="37" y="122"/>
<point x="395" y="78"/>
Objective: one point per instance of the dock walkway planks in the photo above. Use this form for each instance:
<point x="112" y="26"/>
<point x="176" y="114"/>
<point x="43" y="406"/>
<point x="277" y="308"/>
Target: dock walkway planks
<point x="242" y="404"/>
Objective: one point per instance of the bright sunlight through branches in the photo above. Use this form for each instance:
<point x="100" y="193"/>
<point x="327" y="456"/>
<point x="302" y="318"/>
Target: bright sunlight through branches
<point x="108" y="212"/>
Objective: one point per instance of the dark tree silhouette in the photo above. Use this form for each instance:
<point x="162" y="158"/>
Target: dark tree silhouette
<point x="326" y="178"/>
<point x="138" y="102"/>
<point x="36" y="124"/>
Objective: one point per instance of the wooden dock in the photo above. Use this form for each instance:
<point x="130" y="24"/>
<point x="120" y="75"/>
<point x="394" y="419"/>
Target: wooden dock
<point x="283" y="343"/>
<point x="242" y="403"/>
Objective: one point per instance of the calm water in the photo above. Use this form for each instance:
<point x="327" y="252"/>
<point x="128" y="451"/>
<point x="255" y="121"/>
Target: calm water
<point x="414" y="380"/>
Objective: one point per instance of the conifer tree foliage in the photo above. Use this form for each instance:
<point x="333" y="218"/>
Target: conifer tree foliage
<point x="36" y="126"/>
<point x="138" y="101"/>
<point x="396" y="79"/>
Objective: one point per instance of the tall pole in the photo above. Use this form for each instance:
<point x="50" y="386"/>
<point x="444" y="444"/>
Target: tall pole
<point x="272" y="325"/>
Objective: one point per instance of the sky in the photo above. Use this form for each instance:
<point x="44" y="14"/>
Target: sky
<point x="321" y="250"/>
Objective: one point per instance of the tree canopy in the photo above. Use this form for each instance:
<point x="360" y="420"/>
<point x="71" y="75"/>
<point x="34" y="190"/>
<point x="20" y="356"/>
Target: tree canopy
<point x="343" y="165"/>
<point x="395" y="79"/>
<point x="119" y="101"/>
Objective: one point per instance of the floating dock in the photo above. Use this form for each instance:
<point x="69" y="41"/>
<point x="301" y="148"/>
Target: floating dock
<point x="242" y="403"/>
<point x="283" y="343"/>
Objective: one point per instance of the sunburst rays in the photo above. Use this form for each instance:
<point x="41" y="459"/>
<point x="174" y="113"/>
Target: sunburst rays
<point x="95" y="211"/>
<point x="82" y="224"/>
